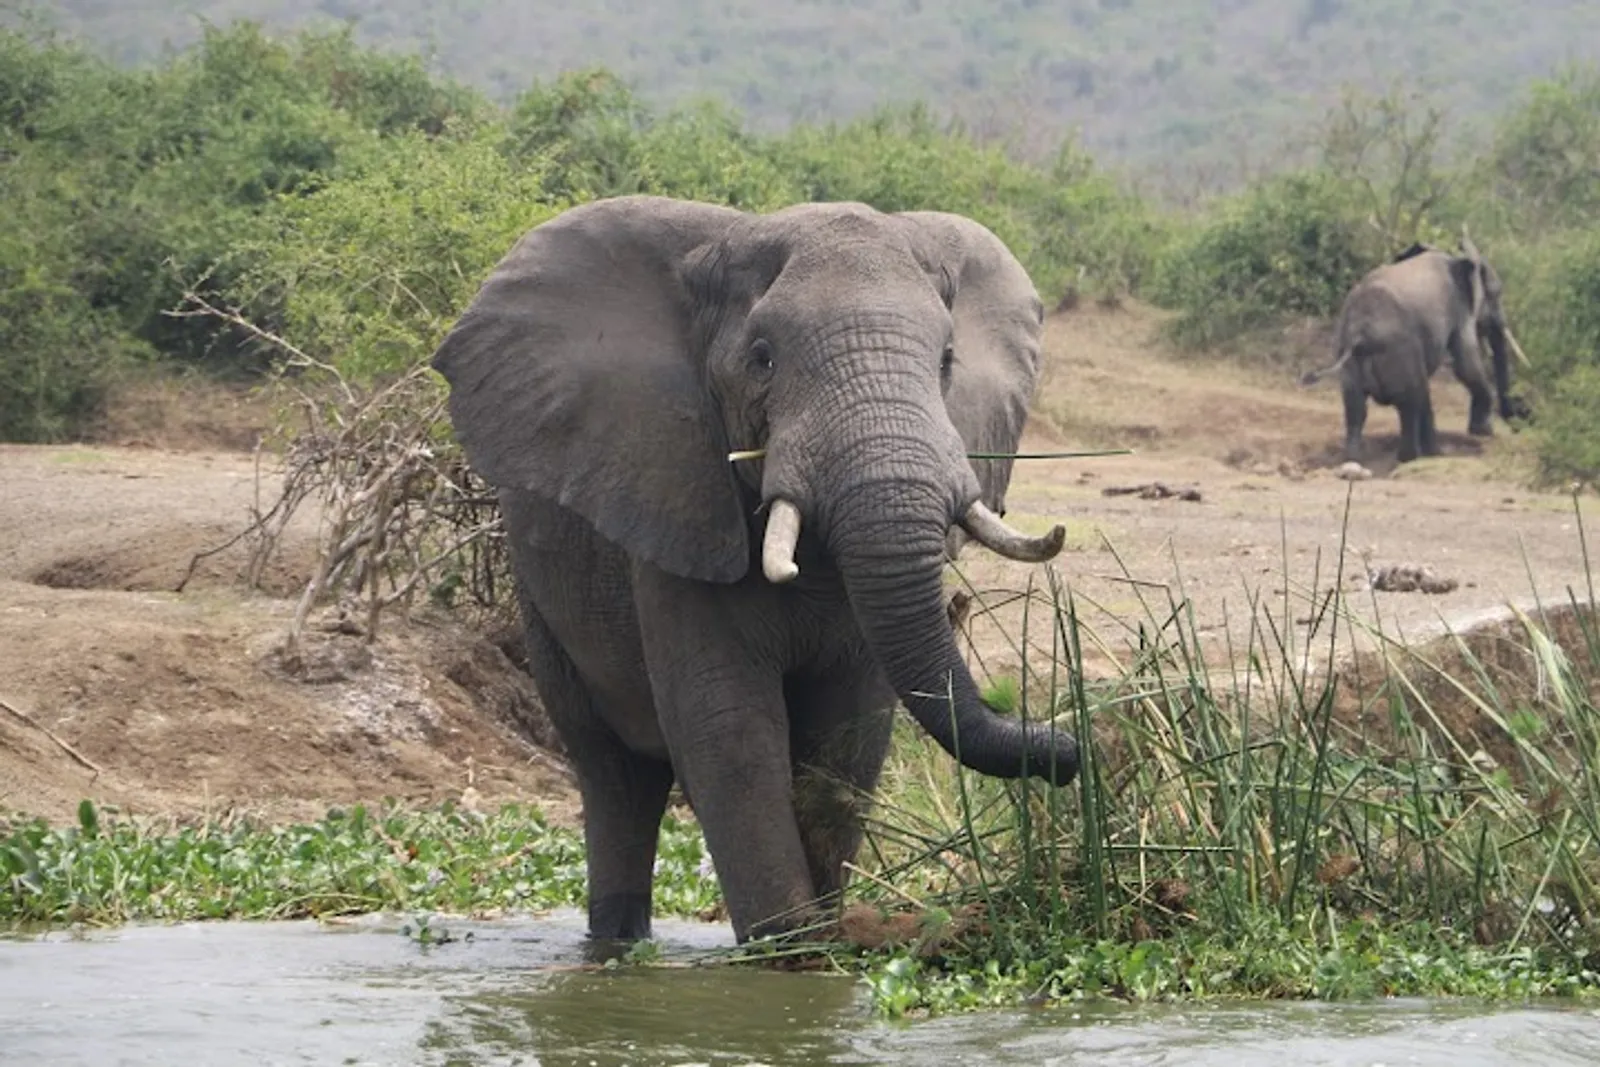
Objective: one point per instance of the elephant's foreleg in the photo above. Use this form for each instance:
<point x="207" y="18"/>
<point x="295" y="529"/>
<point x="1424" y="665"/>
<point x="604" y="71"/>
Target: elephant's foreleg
<point x="721" y="706"/>
<point x="624" y="793"/>
<point x="1355" y="419"/>
<point x="839" y="735"/>
<point x="1467" y="363"/>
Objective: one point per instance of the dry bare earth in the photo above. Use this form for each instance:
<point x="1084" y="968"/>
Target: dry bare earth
<point x="174" y="699"/>
<point x="1263" y="454"/>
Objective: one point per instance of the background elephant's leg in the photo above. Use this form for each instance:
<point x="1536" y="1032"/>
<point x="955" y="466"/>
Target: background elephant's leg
<point x="1410" y="428"/>
<point x="1355" y="419"/>
<point x="1427" y="437"/>
<point x="839" y="730"/>
<point x="1468" y="366"/>
<point x="624" y="793"/>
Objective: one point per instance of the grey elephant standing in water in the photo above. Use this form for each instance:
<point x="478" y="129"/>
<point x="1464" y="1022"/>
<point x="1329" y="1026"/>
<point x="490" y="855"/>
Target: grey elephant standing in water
<point x="745" y="627"/>
<point x="1395" y="329"/>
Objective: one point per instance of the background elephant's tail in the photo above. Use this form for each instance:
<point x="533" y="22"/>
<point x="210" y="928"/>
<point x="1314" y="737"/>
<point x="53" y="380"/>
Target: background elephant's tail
<point x="1312" y="377"/>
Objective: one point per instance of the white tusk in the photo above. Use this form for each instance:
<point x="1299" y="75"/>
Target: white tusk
<point x="1516" y="349"/>
<point x="777" y="551"/>
<point x="991" y="531"/>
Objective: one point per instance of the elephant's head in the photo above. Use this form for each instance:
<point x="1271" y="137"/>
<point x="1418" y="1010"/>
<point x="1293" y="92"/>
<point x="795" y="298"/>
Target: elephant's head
<point x="1479" y="284"/>
<point x="621" y="351"/>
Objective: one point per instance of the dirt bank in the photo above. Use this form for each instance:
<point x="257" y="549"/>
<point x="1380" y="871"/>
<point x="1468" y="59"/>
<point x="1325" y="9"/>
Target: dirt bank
<point x="119" y="689"/>
<point x="122" y="690"/>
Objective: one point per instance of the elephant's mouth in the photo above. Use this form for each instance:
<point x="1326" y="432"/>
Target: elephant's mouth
<point x="979" y="522"/>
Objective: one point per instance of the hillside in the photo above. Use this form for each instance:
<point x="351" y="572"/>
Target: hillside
<point x="1215" y="85"/>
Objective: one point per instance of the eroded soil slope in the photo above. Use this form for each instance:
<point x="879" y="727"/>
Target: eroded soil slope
<point x="119" y="689"/>
<point x="162" y="701"/>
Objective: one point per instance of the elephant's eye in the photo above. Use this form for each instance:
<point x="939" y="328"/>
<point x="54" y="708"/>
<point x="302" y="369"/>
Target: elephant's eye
<point x="761" y="356"/>
<point x="947" y="362"/>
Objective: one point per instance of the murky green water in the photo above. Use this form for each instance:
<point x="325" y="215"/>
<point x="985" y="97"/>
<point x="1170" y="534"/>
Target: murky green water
<point x="207" y="995"/>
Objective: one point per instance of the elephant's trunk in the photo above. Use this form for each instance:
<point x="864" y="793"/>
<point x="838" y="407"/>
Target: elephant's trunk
<point x="892" y="566"/>
<point x="1496" y="334"/>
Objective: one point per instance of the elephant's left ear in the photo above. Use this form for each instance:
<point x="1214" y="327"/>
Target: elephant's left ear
<point x="998" y="324"/>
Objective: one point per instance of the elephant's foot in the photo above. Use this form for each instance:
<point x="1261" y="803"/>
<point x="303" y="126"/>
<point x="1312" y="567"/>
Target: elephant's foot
<point x="1481" y="430"/>
<point x="620" y="917"/>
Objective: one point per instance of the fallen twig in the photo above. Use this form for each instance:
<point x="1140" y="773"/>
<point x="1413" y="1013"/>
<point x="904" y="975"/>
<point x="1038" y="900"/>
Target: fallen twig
<point x="77" y="756"/>
<point x="1153" y="491"/>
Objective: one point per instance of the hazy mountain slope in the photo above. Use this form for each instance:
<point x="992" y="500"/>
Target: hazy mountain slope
<point x="1217" y="79"/>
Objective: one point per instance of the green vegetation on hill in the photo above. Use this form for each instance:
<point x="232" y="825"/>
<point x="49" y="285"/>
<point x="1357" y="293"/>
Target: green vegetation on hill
<point x="1220" y="84"/>
<point x="345" y="199"/>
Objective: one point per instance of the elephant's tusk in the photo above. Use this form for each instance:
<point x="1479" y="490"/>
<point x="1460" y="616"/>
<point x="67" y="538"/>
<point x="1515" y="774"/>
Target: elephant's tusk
<point x="777" y="551"/>
<point x="991" y="531"/>
<point x="1516" y="349"/>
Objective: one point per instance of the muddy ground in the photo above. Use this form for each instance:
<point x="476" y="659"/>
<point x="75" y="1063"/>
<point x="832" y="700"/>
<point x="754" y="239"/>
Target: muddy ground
<point x="117" y="688"/>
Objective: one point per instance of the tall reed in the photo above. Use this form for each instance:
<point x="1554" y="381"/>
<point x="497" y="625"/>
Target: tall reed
<point x="1306" y="769"/>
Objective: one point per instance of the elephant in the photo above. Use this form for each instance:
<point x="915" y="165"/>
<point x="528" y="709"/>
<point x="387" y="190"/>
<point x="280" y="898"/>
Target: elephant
<point x="730" y="451"/>
<point x="1394" y="330"/>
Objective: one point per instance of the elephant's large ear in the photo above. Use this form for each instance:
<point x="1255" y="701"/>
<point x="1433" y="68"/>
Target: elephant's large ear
<point x="1466" y="271"/>
<point x="998" y="324"/>
<point x="572" y="375"/>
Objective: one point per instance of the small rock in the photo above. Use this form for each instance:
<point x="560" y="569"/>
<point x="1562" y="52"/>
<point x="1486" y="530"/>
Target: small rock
<point x="1409" y="578"/>
<point x="1353" y="472"/>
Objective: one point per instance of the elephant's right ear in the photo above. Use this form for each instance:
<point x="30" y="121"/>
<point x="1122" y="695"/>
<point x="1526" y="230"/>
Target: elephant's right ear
<point x="999" y="323"/>
<point x="572" y="376"/>
<point x="1467" y="274"/>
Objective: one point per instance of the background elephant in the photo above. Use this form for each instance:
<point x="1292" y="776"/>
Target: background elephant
<point x="745" y="627"/>
<point x="1395" y="329"/>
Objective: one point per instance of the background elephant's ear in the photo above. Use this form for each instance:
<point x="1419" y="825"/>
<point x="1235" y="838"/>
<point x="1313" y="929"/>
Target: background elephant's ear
<point x="998" y="321"/>
<point x="1467" y="274"/>
<point x="572" y="375"/>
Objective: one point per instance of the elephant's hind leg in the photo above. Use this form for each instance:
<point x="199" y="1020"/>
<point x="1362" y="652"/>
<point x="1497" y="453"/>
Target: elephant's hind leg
<point x="624" y="792"/>
<point x="1428" y="437"/>
<point x="1355" y="419"/>
<point x="1417" y="437"/>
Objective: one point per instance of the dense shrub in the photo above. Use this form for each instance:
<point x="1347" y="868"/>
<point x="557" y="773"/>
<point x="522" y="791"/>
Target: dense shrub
<point x="1292" y="245"/>
<point x="1553" y="302"/>
<point x="1064" y="222"/>
<point x="368" y="273"/>
<point x="352" y="202"/>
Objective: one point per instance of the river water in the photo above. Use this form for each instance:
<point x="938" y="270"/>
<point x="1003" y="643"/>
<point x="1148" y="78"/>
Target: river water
<point x="215" y="994"/>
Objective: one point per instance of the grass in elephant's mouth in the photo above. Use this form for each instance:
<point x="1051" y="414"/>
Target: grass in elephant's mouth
<point x="1419" y="821"/>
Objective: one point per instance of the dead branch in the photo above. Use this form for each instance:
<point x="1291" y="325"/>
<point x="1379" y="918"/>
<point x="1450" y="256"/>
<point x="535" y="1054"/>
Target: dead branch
<point x="77" y="757"/>
<point x="399" y="510"/>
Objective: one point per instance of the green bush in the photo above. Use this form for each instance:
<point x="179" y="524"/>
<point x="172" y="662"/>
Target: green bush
<point x="1553" y="302"/>
<point x="1065" y="222"/>
<point x="368" y="273"/>
<point x="1542" y="170"/>
<point x="1293" y="245"/>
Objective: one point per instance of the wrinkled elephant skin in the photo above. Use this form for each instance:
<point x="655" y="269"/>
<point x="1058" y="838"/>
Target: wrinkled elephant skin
<point x="745" y="628"/>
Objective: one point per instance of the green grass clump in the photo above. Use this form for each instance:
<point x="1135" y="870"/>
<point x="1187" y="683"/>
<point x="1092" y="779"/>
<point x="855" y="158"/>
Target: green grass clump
<point x="108" y="870"/>
<point x="1419" y="821"/>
